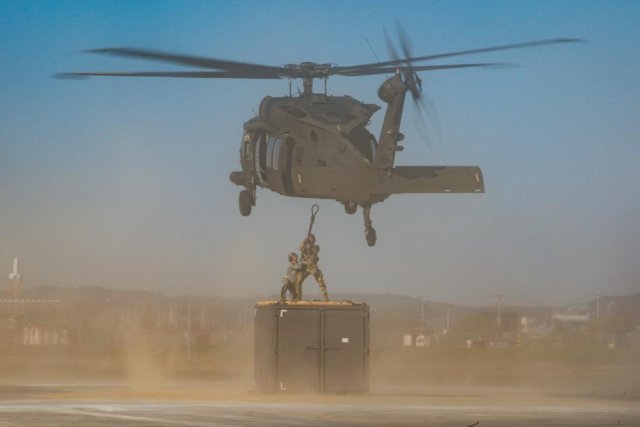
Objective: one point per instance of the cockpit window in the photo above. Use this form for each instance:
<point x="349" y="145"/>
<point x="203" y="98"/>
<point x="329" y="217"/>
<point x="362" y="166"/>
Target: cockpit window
<point x="273" y="151"/>
<point x="364" y="141"/>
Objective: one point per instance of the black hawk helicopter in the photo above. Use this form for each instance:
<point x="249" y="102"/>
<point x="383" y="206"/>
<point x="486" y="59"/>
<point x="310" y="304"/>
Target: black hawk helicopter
<point x="318" y="146"/>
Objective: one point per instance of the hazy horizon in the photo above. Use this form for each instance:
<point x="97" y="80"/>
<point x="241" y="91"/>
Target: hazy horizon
<point x="123" y="183"/>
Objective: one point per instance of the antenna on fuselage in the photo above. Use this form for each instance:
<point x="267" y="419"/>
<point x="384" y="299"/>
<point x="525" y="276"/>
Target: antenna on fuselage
<point x="375" y="55"/>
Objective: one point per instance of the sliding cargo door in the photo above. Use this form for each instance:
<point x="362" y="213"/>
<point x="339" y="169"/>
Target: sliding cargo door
<point x="345" y="350"/>
<point x="299" y="350"/>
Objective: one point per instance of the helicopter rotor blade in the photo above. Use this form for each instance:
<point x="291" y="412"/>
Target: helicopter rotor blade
<point x="465" y="52"/>
<point x="426" y="119"/>
<point x="425" y="114"/>
<point x="405" y="43"/>
<point x="427" y="107"/>
<point x="411" y="77"/>
<point x="194" y="61"/>
<point x="181" y="74"/>
<point x="391" y="50"/>
<point x="386" y="70"/>
<point x="232" y="69"/>
<point x="420" y="122"/>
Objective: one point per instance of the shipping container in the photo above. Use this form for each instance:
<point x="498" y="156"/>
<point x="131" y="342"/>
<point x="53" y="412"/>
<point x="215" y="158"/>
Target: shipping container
<point x="312" y="346"/>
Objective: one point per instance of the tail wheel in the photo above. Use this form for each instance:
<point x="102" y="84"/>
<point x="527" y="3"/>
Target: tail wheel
<point x="245" y="201"/>
<point x="350" y="208"/>
<point x="370" y="235"/>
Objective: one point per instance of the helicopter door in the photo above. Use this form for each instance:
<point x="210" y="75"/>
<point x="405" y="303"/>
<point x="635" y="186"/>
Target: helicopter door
<point x="273" y="152"/>
<point x="261" y="157"/>
<point x="287" y="172"/>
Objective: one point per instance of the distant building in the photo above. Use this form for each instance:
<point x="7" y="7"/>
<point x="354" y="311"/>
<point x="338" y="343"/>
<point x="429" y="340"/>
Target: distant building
<point x="571" y="318"/>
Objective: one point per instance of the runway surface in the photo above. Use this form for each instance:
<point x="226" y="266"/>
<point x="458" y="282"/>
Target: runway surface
<point x="51" y="406"/>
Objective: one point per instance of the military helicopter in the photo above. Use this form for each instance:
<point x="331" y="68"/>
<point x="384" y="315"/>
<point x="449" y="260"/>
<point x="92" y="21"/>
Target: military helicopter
<point x="318" y="146"/>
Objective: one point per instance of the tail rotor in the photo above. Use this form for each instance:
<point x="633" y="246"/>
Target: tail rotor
<point x="426" y="114"/>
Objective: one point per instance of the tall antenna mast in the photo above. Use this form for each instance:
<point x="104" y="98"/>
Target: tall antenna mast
<point x="15" y="280"/>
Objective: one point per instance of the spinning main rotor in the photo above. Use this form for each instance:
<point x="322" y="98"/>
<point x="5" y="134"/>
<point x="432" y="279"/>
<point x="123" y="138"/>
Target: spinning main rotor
<point x="224" y="69"/>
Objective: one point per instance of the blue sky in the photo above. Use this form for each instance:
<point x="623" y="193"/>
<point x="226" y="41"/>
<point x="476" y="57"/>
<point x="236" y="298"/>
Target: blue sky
<point x="123" y="182"/>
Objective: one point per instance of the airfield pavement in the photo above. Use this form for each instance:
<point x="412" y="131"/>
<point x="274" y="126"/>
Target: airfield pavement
<point x="202" y="403"/>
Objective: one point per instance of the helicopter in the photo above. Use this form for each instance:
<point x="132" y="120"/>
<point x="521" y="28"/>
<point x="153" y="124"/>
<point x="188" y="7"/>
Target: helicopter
<point x="315" y="145"/>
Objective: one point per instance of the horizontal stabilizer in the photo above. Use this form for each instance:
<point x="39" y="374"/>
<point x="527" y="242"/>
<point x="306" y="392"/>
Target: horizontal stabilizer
<point x="431" y="179"/>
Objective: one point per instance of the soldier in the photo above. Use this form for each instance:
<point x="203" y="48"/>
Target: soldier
<point x="289" y="280"/>
<point x="309" y="254"/>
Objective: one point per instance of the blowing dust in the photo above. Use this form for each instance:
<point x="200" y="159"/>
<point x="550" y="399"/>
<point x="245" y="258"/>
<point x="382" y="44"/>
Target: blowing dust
<point x="152" y="343"/>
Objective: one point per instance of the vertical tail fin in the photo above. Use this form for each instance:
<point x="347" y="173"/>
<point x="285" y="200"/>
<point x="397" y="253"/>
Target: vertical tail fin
<point x="393" y="92"/>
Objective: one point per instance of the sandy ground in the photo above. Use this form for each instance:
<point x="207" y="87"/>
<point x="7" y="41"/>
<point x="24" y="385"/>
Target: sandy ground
<point x="203" y="403"/>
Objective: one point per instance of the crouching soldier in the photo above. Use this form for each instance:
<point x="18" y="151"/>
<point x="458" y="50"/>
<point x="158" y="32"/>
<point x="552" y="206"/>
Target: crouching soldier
<point x="289" y="280"/>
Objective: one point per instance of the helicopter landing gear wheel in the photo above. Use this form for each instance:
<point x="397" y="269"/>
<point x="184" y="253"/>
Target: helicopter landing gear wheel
<point x="369" y="232"/>
<point x="245" y="201"/>
<point x="350" y="208"/>
<point x="370" y="236"/>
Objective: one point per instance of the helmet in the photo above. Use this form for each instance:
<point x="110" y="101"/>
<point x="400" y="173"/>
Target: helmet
<point x="312" y="237"/>
<point x="292" y="255"/>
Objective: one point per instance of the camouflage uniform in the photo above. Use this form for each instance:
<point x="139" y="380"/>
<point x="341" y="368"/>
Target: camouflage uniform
<point x="309" y="253"/>
<point x="289" y="280"/>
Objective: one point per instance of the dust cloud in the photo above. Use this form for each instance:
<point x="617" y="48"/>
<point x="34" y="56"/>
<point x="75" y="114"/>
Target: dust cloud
<point x="201" y="348"/>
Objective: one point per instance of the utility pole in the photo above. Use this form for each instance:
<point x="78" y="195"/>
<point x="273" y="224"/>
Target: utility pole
<point x="448" y="319"/>
<point x="189" y="330"/>
<point x="609" y="328"/>
<point x="499" y="310"/>
<point x="598" y="312"/>
<point x="15" y="283"/>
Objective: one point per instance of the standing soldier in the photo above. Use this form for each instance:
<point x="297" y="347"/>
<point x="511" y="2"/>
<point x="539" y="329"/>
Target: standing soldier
<point x="309" y="254"/>
<point x="290" y="279"/>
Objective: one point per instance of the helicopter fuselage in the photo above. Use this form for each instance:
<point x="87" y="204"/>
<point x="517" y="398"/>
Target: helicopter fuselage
<point x="318" y="146"/>
<point x="311" y="147"/>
